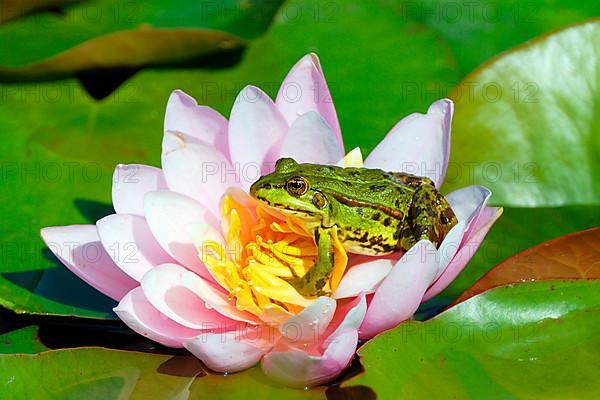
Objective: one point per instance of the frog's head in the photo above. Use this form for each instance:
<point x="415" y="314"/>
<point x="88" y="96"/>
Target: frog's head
<point x="288" y="189"/>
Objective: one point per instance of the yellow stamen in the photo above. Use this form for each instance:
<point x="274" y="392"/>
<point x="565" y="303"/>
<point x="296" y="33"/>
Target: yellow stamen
<point x="262" y="251"/>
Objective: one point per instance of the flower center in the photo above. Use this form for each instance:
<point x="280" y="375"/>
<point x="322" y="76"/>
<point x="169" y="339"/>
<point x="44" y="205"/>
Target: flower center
<point x="261" y="254"/>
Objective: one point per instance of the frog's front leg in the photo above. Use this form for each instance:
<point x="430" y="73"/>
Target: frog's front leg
<point x="430" y="217"/>
<point x="315" y="279"/>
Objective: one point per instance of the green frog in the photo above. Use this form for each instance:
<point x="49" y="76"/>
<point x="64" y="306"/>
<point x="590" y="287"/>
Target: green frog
<point x="370" y="211"/>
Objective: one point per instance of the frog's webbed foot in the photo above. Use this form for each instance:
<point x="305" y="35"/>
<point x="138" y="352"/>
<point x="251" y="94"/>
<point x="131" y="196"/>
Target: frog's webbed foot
<point x="431" y="218"/>
<point x="314" y="281"/>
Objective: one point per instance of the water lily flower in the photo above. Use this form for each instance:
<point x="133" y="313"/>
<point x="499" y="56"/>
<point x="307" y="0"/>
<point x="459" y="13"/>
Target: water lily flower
<point x="195" y="262"/>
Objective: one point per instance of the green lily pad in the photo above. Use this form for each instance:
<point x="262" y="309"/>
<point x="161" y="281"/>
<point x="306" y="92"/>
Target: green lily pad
<point x="21" y="341"/>
<point x="529" y="130"/>
<point x="64" y="145"/>
<point x="531" y="340"/>
<point x="96" y="373"/>
<point x="478" y="31"/>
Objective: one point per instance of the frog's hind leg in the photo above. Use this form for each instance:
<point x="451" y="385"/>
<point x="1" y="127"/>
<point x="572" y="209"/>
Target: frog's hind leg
<point x="430" y="217"/>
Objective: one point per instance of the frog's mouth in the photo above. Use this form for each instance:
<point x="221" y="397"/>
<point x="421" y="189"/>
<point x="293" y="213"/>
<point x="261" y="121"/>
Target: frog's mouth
<point x="282" y="211"/>
<point x="290" y="206"/>
<point x="262" y="191"/>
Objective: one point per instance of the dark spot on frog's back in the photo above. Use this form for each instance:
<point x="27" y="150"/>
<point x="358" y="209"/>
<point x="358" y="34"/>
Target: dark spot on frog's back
<point x="376" y="216"/>
<point x="377" y="188"/>
<point x="387" y="221"/>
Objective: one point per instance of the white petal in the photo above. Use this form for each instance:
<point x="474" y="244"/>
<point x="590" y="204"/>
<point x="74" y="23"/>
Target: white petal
<point x="135" y="310"/>
<point x="78" y="247"/>
<point x="308" y="324"/>
<point x="310" y="140"/>
<point x="419" y="144"/>
<point x="364" y="277"/>
<point x="196" y="170"/>
<point x="400" y="294"/>
<point x="169" y="287"/>
<point x="130" y="185"/>
<point x="203" y="123"/>
<point x="172" y="217"/>
<point x="304" y="89"/>
<point x="299" y="369"/>
<point x="450" y="245"/>
<point x="131" y="245"/>
<point x="256" y="129"/>
<point x="468" y="201"/>
<point x="231" y="351"/>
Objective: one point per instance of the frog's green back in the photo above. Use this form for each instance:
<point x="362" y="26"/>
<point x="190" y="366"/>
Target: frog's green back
<point x="358" y="186"/>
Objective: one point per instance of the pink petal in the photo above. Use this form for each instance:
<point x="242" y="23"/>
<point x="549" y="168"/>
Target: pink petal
<point x="196" y="170"/>
<point x="468" y="202"/>
<point x="304" y="89"/>
<point x="349" y="315"/>
<point x="203" y="123"/>
<point x="310" y="140"/>
<point x="470" y="244"/>
<point x="419" y="144"/>
<point x="364" y="277"/>
<point x="128" y="241"/>
<point x="298" y="368"/>
<point x="174" y="220"/>
<point x="233" y="351"/>
<point x="189" y="300"/>
<point x="450" y="245"/>
<point x="130" y="185"/>
<point x="78" y="247"/>
<point x="256" y="129"/>
<point x="400" y="294"/>
<point x="310" y="323"/>
<point x="135" y="310"/>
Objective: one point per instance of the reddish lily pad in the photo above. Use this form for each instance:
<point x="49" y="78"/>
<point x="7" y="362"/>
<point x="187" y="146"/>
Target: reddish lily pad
<point x="573" y="256"/>
<point x="16" y="8"/>
<point x="130" y="49"/>
<point x="121" y="33"/>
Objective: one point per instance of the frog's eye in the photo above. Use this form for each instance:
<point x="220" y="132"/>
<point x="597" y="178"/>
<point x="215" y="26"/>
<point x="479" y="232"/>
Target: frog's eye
<point x="296" y="186"/>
